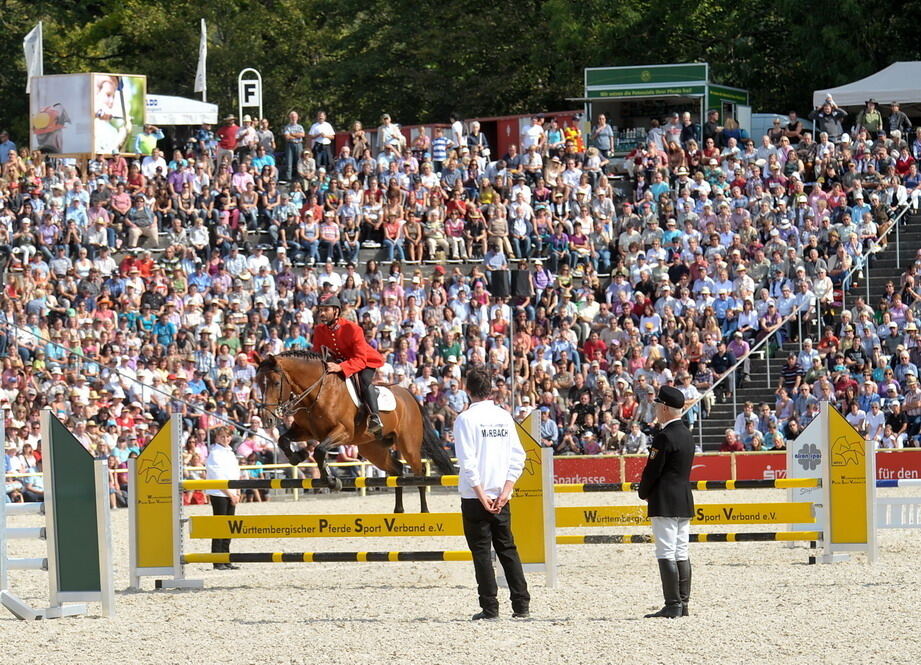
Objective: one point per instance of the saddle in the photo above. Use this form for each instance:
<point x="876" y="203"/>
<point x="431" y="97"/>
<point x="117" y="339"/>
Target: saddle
<point x="386" y="401"/>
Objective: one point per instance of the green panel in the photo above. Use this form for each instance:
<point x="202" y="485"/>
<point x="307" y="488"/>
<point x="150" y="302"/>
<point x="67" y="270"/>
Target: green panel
<point x="74" y="497"/>
<point x="626" y="93"/>
<point x="646" y="75"/>
<point x="729" y="94"/>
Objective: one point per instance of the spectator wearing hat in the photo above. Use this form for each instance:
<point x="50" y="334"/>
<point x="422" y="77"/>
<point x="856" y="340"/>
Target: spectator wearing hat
<point x="870" y="119"/>
<point x="665" y="486"/>
<point x="898" y="121"/>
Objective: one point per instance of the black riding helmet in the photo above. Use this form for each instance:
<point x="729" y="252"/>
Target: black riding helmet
<point x="332" y="301"/>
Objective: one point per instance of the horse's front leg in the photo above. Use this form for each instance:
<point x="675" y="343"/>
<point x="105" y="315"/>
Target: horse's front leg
<point x="335" y="438"/>
<point x="295" y="454"/>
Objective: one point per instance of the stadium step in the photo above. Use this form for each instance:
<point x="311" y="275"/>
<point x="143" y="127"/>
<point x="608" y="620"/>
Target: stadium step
<point x="882" y="270"/>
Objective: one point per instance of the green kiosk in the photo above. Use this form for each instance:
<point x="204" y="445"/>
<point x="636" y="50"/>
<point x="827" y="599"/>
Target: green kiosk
<point x="631" y="96"/>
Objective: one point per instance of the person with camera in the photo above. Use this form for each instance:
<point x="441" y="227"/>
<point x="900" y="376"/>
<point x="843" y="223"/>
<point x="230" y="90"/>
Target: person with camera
<point x="829" y="118"/>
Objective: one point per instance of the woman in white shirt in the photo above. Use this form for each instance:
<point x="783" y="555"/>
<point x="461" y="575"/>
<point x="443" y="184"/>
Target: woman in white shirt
<point x="222" y="465"/>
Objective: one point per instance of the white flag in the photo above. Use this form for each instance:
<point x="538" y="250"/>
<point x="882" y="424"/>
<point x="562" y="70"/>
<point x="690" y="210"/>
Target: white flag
<point x="32" y="45"/>
<point x="201" y="83"/>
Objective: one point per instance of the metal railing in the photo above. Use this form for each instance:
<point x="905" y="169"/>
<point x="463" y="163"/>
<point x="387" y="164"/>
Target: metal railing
<point x="730" y="374"/>
<point x="863" y="263"/>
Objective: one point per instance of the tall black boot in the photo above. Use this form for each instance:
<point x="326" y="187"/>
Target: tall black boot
<point x="374" y="419"/>
<point x="684" y="584"/>
<point x="668" y="571"/>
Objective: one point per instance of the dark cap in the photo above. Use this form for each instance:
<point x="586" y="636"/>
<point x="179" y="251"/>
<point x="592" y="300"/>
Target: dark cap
<point x="332" y="301"/>
<point x="670" y="397"/>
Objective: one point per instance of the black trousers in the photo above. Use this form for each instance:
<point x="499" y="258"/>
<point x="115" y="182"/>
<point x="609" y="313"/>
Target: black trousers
<point x="482" y="529"/>
<point x="323" y="155"/>
<point x="221" y="505"/>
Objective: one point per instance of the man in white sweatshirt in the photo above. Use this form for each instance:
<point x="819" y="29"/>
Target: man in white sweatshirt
<point x="491" y="459"/>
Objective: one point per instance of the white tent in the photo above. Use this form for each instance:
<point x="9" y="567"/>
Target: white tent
<point x="168" y="110"/>
<point x="899" y="82"/>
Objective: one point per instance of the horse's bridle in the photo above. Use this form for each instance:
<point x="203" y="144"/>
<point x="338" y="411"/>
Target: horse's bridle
<point x="280" y="410"/>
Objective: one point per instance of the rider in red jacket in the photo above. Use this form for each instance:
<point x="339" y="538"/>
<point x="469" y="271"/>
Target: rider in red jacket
<point x="345" y="341"/>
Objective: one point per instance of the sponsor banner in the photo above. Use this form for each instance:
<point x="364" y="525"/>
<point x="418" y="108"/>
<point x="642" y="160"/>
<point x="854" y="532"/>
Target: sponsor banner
<point x="712" y="513"/>
<point x="623" y="93"/>
<point x="633" y="467"/>
<point x="83" y="114"/>
<point x="890" y="465"/>
<point x="713" y="466"/>
<point x="760" y="466"/>
<point x="640" y="75"/>
<point x="579" y="470"/>
<point x="898" y="464"/>
<point x="326" y="526"/>
<point x="708" y="466"/>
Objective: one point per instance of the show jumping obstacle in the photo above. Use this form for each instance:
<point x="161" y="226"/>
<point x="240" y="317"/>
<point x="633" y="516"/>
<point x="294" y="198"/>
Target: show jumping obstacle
<point x="831" y="502"/>
<point x="76" y="531"/>
<point x="156" y="533"/>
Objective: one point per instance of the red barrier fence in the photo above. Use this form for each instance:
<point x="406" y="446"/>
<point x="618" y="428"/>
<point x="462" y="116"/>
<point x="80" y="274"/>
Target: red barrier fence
<point x="890" y="464"/>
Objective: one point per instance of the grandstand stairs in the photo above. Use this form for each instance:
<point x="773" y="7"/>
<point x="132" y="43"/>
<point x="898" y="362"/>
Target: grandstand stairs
<point x="884" y="266"/>
<point x="758" y="389"/>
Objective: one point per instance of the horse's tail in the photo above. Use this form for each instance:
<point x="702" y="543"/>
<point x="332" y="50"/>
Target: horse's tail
<point x="431" y="445"/>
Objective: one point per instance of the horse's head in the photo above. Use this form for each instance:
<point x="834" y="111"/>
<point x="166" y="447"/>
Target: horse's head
<point x="272" y="387"/>
<point x="289" y="385"/>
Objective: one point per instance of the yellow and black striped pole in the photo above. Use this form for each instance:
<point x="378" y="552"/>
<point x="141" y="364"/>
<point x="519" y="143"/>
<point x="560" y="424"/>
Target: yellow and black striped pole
<point x="700" y="485"/>
<point x="740" y="537"/>
<point x="314" y="483"/>
<point x="325" y="557"/>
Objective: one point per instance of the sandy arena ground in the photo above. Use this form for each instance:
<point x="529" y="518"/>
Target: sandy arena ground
<point x="751" y="603"/>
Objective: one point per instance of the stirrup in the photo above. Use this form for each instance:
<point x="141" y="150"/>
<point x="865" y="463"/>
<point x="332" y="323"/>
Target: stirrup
<point x="375" y="425"/>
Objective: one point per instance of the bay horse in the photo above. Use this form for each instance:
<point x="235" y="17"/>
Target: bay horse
<point x="298" y="383"/>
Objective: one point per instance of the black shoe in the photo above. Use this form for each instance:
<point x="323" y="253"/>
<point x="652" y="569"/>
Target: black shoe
<point x="230" y="566"/>
<point x="667" y="612"/>
<point x="484" y="616"/>
<point x="375" y="426"/>
<point x="521" y="614"/>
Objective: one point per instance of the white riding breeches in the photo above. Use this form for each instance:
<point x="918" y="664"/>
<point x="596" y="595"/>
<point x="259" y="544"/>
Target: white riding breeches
<point x="671" y="534"/>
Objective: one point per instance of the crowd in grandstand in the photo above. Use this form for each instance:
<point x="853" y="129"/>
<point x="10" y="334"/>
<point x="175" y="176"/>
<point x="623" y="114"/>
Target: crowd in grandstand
<point x="134" y="288"/>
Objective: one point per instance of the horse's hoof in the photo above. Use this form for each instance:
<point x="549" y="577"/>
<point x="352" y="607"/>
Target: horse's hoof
<point x="335" y="484"/>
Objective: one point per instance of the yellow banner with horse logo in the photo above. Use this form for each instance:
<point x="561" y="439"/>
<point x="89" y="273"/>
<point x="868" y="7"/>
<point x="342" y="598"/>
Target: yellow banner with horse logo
<point x="528" y="500"/>
<point x="153" y="497"/>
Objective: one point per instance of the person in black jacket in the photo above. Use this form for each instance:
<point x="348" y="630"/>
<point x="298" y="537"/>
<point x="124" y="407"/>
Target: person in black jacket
<point x="665" y="485"/>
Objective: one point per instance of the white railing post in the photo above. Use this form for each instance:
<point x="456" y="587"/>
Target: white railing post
<point x="898" y="245"/>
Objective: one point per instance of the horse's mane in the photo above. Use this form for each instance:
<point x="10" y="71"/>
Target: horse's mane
<point x="269" y="363"/>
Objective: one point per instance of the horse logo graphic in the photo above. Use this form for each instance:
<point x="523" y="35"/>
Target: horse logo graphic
<point x="156" y="470"/>
<point x="845" y="452"/>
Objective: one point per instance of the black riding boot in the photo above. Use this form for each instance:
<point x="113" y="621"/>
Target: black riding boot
<point x="684" y="585"/>
<point x="668" y="572"/>
<point x="374" y="419"/>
